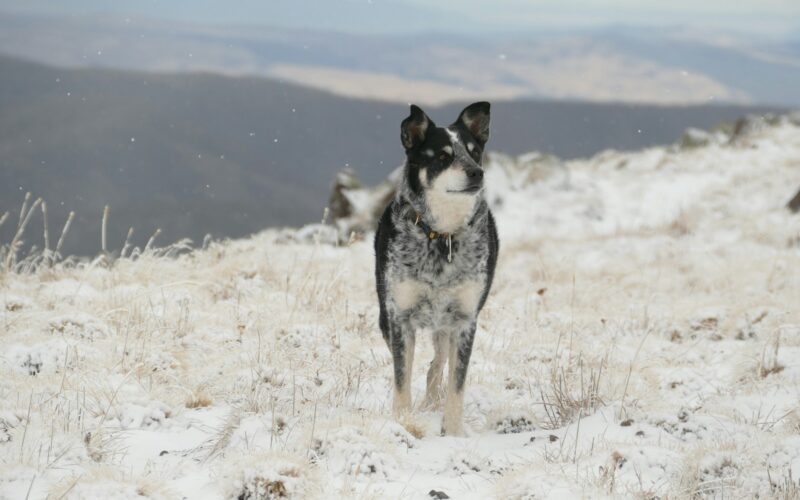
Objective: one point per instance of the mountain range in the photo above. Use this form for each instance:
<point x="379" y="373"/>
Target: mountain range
<point x="194" y="154"/>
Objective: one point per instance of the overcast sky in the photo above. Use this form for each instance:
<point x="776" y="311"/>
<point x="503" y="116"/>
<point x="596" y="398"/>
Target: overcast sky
<point x="766" y="17"/>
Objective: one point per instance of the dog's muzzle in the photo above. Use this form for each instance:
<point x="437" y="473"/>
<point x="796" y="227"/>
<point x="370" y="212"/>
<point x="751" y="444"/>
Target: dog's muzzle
<point x="474" y="179"/>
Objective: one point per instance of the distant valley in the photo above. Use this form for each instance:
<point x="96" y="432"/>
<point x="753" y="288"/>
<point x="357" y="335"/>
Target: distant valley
<point x="616" y="63"/>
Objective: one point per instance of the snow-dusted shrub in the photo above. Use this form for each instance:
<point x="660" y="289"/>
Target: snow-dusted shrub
<point x="464" y="462"/>
<point x="349" y="451"/>
<point x="531" y="483"/>
<point x="683" y="425"/>
<point x="79" y="326"/>
<point x="107" y="483"/>
<point x="45" y="357"/>
<point x="8" y="421"/>
<point x="714" y="471"/>
<point x="400" y="434"/>
<point x="642" y="472"/>
<point x="266" y="477"/>
<point x="513" y="423"/>
<point x="573" y="392"/>
<point x="140" y="415"/>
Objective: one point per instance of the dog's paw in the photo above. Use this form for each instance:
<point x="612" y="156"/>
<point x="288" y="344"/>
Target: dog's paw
<point x="453" y="430"/>
<point x="412" y="425"/>
<point x="401" y="406"/>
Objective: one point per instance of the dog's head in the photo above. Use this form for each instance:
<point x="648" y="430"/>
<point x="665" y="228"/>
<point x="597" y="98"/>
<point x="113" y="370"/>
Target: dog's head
<point x="446" y="161"/>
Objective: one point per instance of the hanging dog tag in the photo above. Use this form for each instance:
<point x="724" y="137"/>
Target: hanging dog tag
<point x="449" y="249"/>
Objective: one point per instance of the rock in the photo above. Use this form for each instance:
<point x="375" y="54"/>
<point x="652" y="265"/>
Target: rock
<point x="528" y="168"/>
<point x="794" y="203"/>
<point x="695" y="138"/>
<point x="354" y="208"/>
<point x="438" y="494"/>
<point x="751" y="124"/>
<point x="338" y="205"/>
<point x="514" y="424"/>
<point x="310" y="233"/>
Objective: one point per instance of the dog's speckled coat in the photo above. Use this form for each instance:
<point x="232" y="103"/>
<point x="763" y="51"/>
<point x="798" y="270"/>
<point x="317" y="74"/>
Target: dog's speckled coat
<point x="437" y="284"/>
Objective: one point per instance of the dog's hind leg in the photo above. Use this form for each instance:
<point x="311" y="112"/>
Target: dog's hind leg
<point x="402" y="346"/>
<point x="460" y="352"/>
<point x="383" y="322"/>
<point x="433" y="389"/>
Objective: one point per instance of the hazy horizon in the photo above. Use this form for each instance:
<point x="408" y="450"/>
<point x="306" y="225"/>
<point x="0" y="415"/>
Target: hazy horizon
<point x="771" y="19"/>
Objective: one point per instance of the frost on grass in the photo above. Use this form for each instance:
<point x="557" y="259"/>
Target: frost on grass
<point x="641" y="340"/>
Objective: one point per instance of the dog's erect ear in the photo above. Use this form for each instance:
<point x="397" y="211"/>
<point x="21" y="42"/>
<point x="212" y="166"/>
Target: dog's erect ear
<point x="476" y="118"/>
<point x="414" y="128"/>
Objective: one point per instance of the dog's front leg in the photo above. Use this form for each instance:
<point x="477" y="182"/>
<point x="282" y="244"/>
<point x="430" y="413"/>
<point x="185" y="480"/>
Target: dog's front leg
<point x="433" y="389"/>
<point x="402" y="346"/>
<point x="460" y="352"/>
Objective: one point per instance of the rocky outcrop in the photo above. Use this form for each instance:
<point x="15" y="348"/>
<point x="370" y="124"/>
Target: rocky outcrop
<point x="355" y="208"/>
<point x="528" y="168"/>
<point x="339" y="206"/>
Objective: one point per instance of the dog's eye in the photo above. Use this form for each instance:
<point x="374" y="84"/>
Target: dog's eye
<point x="443" y="156"/>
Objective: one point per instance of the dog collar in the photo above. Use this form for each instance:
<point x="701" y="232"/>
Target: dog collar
<point x="434" y="235"/>
<point x="429" y="231"/>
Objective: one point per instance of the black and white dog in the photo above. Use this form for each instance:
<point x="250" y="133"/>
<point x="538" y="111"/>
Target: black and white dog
<point x="436" y="249"/>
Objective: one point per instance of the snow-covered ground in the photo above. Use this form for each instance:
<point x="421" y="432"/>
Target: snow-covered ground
<point x="642" y="340"/>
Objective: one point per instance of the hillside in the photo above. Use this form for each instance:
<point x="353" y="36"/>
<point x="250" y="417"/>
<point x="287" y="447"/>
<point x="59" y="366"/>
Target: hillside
<point x="642" y="340"/>
<point x="194" y="154"/>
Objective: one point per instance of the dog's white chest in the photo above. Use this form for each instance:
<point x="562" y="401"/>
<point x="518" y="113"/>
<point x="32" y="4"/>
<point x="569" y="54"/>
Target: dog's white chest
<point x="432" y="303"/>
<point x="449" y="212"/>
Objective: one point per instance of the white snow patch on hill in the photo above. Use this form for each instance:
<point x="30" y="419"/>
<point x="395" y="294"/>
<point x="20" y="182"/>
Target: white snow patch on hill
<point x="642" y="339"/>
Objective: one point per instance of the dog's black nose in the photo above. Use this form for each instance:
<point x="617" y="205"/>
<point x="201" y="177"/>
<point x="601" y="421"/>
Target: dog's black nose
<point x="475" y="174"/>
